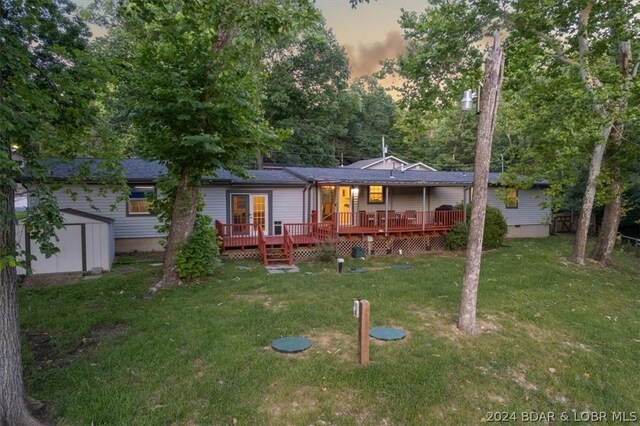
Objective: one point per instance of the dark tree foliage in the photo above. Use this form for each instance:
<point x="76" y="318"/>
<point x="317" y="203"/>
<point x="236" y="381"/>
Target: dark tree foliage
<point x="375" y="118"/>
<point x="307" y="94"/>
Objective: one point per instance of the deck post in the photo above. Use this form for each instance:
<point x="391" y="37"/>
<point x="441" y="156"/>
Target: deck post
<point x="424" y="204"/>
<point x="363" y="332"/>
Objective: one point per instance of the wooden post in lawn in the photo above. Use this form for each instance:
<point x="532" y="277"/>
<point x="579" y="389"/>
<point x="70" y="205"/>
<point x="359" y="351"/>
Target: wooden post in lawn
<point x="488" y="101"/>
<point x="363" y="332"/>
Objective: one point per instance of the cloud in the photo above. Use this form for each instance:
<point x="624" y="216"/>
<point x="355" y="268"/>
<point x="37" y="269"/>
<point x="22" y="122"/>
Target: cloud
<point x="365" y="58"/>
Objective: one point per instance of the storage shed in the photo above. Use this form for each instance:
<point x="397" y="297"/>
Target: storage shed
<point x="85" y="242"/>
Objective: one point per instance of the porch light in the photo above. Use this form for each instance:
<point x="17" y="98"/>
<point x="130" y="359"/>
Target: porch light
<point x="354" y="192"/>
<point x="467" y="100"/>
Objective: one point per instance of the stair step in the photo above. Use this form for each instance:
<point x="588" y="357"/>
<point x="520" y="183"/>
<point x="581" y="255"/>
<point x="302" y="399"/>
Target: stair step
<point x="278" y="257"/>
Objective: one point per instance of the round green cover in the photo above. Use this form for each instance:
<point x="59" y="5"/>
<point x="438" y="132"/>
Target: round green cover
<point x="291" y="344"/>
<point x="387" y="333"/>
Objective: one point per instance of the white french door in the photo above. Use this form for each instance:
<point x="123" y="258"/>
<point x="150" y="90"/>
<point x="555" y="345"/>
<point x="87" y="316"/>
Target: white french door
<point x="248" y="210"/>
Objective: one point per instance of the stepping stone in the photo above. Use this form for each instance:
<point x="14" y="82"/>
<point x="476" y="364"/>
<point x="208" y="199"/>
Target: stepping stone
<point x="281" y="269"/>
<point x="387" y="333"/>
<point x="291" y="344"/>
<point x="128" y="270"/>
<point x="401" y="266"/>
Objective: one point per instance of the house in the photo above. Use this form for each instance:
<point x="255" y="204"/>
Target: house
<point x="292" y="209"/>
<point x="389" y="162"/>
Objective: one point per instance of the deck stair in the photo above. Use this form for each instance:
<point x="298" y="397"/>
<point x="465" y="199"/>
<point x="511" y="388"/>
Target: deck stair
<point x="276" y="255"/>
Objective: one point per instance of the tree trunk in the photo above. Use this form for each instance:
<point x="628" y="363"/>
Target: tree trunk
<point x="182" y="219"/>
<point x="13" y="408"/>
<point x="613" y="210"/>
<point x="603" y="250"/>
<point x="582" y="231"/>
<point x="489" y="98"/>
<point x="580" y="244"/>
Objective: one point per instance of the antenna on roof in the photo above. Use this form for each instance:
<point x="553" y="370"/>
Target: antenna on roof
<point x="384" y="150"/>
<point x="342" y="159"/>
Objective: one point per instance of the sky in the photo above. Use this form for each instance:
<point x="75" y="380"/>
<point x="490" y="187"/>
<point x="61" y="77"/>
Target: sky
<point x="368" y="33"/>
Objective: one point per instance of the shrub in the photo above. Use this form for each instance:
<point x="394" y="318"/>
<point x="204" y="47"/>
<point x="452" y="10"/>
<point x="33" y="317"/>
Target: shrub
<point x="495" y="229"/>
<point x="199" y="256"/>
<point x="457" y="237"/>
<point x="326" y="253"/>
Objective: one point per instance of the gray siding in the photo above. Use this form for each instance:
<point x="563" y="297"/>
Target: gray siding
<point x="403" y="199"/>
<point x="286" y="202"/>
<point x="215" y="202"/>
<point x="410" y="198"/>
<point x="444" y="195"/>
<point x="124" y="226"/>
<point x="287" y="205"/>
<point x="528" y="211"/>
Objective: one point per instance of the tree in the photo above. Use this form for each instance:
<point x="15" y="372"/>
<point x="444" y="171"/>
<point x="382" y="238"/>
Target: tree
<point x="307" y="94"/>
<point x="444" y="139"/>
<point x="489" y="99"/>
<point x="45" y="95"/>
<point x="613" y="209"/>
<point x="189" y="89"/>
<point x="374" y="119"/>
<point x="546" y="40"/>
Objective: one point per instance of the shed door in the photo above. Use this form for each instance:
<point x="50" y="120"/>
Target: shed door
<point x="68" y="259"/>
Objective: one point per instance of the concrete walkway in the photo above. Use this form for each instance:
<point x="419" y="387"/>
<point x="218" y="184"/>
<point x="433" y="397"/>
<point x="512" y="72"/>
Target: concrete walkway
<point x="281" y="269"/>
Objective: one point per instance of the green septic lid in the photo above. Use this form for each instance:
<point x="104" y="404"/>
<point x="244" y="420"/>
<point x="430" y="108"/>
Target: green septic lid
<point x="401" y="266"/>
<point x="387" y="333"/>
<point x="358" y="270"/>
<point x="291" y="344"/>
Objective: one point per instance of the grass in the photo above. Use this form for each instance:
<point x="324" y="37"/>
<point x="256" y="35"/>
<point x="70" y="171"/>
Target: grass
<point x="555" y="337"/>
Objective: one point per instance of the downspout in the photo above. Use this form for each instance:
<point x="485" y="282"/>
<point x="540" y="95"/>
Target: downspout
<point x="464" y="204"/>
<point x="304" y="191"/>
<point x="308" y="219"/>
<point x="386" y="211"/>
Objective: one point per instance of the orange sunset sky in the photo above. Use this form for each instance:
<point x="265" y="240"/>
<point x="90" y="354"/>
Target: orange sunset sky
<point x="369" y="33"/>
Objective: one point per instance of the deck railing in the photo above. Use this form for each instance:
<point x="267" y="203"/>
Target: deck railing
<point x="288" y="245"/>
<point x="391" y="220"/>
<point x="315" y="232"/>
<point x="234" y="235"/>
<point x="355" y="223"/>
<point x="262" y="245"/>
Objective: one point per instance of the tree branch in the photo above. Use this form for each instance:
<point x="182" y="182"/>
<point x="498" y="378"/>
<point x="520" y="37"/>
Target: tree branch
<point x="559" y="52"/>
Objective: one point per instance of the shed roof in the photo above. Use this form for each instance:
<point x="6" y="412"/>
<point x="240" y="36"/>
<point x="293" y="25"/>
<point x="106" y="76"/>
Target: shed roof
<point x="87" y="215"/>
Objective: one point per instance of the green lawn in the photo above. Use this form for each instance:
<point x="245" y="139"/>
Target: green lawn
<point x="556" y="337"/>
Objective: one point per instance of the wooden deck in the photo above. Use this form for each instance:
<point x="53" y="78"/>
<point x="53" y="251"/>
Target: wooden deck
<point x="342" y="225"/>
